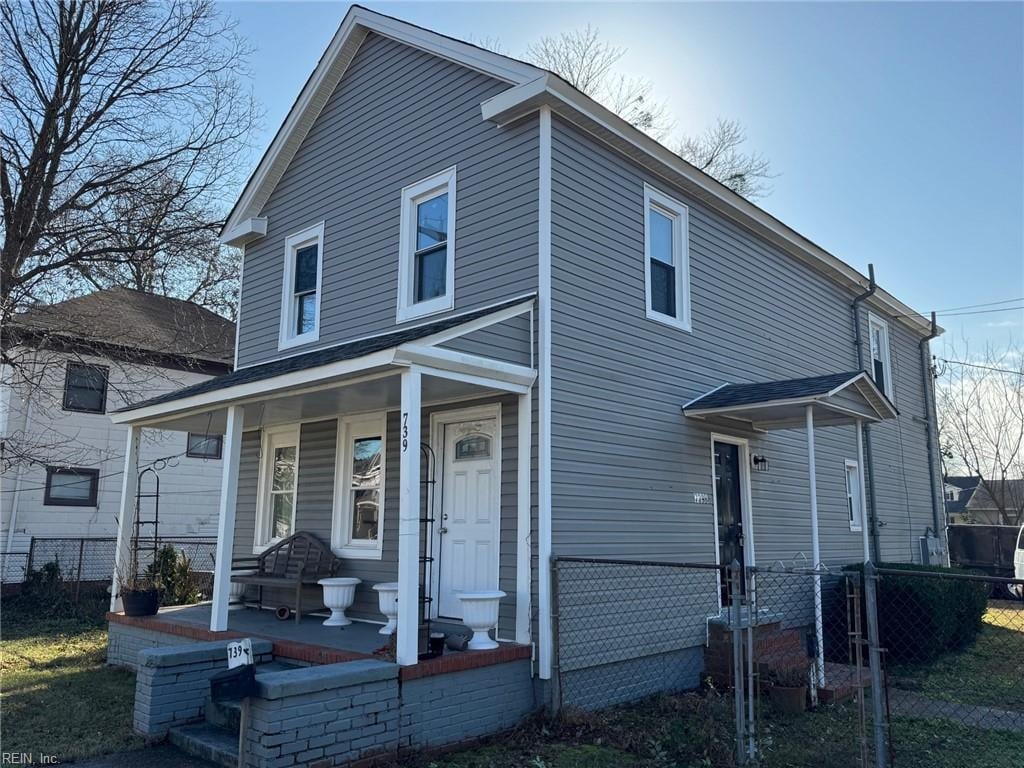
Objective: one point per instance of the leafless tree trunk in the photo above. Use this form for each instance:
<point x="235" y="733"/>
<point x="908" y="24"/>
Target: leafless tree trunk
<point x="121" y="126"/>
<point x="588" y="62"/>
<point x="981" y="422"/>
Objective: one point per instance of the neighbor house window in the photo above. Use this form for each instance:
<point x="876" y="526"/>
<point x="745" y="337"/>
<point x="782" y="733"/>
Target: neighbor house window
<point x="200" y="446"/>
<point x="426" y="267"/>
<point x="667" y="259"/>
<point x="300" y="302"/>
<point x="71" y="487"/>
<point x="85" y="388"/>
<point x="279" y="471"/>
<point x="881" y="358"/>
<point x="854" y="503"/>
<point x="359" y="502"/>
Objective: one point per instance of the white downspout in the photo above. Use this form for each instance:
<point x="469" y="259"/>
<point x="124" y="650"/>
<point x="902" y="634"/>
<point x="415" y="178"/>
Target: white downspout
<point x="819" y="631"/>
<point x="863" y="498"/>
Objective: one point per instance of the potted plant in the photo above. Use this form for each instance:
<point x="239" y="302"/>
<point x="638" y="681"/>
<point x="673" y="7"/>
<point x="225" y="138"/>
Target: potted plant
<point x="788" y="691"/>
<point x="139" y="595"/>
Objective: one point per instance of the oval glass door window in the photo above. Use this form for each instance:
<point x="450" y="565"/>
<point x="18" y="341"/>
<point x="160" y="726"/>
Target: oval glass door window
<point x="473" y="447"/>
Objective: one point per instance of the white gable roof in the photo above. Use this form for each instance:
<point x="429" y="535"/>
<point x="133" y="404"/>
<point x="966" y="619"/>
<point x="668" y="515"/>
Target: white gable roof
<point x="530" y="88"/>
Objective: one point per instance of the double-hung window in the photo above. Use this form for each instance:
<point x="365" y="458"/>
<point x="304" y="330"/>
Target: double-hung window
<point x="279" y="474"/>
<point x="426" y="267"/>
<point x="300" y="299"/>
<point x="881" y="357"/>
<point x="667" y="259"/>
<point x="854" y="502"/>
<point x="359" y="480"/>
<point x="85" y="388"/>
<point x="71" y="487"/>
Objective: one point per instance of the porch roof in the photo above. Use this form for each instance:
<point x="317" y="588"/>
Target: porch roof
<point x="408" y="346"/>
<point x="838" y="398"/>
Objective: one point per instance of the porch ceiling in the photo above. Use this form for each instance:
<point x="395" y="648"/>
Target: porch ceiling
<point x="838" y="398"/>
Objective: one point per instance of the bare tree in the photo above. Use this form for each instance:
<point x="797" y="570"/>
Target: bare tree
<point x="588" y="62"/>
<point x="980" y="403"/>
<point x="121" y="125"/>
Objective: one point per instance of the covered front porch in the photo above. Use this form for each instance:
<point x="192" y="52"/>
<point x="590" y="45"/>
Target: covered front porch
<point x="400" y="453"/>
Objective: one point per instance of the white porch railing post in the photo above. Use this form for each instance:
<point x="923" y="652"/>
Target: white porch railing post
<point x="524" y="451"/>
<point x="407" y="650"/>
<point x="812" y="475"/>
<point x="126" y="515"/>
<point x="232" y="456"/>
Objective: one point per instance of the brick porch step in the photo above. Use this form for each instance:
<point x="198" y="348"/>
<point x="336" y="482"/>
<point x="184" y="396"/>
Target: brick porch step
<point x="207" y="742"/>
<point x="841" y="683"/>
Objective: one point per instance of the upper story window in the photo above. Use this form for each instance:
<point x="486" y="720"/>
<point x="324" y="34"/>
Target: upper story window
<point x="85" y="388"/>
<point x="279" y="473"/>
<point x="667" y="259"/>
<point x="881" y="357"/>
<point x="71" y="487"/>
<point x="300" y="299"/>
<point x="359" y="503"/>
<point x="201" y="446"/>
<point x="426" y="267"/>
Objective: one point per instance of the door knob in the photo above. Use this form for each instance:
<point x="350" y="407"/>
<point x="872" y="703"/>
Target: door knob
<point x="444" y="530"/>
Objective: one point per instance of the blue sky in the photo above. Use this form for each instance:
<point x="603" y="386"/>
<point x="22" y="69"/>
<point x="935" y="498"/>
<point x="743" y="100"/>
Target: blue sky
<point x="898" y="129"/>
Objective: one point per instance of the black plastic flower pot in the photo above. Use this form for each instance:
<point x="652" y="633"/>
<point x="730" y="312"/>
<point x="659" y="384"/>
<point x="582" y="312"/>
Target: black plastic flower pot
<point x="140" y="602"/>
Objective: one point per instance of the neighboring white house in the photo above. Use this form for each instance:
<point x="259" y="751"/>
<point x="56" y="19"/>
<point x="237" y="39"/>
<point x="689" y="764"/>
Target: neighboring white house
<point x="68" y="365"/>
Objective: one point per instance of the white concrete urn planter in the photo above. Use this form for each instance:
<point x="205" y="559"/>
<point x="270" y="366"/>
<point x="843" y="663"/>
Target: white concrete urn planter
<point x="339" y="593"/>
<point x="480" y="614"/>
<point x="387" y="597"/>
<point x="236" y="591"/>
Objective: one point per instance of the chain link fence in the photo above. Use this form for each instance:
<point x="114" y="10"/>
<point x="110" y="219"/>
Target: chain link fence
<point x="852" y="666"/>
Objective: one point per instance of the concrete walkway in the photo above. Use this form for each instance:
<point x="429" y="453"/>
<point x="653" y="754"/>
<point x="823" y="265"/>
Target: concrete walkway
<point x="161" y="756"/>
<point x="910" y="704"/>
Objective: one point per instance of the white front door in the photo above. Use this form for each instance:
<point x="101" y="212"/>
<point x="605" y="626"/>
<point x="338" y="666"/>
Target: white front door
<point x="468" y="528"/>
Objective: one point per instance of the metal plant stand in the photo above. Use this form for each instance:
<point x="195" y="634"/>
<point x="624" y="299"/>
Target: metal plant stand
<point x="428" y="481"/>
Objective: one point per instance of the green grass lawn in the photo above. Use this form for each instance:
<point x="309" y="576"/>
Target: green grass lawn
<point x="57" y="696"/>
<point x="989" y="673"/>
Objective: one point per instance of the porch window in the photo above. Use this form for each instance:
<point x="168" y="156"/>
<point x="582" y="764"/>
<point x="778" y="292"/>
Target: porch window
<point x="667" y="259"/>
<point x="426" y="269"/>
<point x="278" y="485"/>
<point x="358" y="519"/>
<point x="85" y="388"/>
<point x="300" y="303"/>
<point x="202" y="446"/>
<point x="854" y="505"/>
<point x="881" y="358"/>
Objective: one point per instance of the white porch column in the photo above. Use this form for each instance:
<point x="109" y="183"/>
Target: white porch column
<point x="126" y="514"/>
<point x="409" y="519"/>
<point x="524" y="538"/>
<point x="819" y="632"/>
<point x="232" y="456"/>
<point x="863" y="490"/>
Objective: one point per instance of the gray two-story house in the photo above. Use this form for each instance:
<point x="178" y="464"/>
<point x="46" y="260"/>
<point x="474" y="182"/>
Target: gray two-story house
<point x="472" y="295"/>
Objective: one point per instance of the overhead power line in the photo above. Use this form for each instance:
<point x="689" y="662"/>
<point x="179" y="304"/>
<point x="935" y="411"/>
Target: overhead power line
<point x="981" y="367"/>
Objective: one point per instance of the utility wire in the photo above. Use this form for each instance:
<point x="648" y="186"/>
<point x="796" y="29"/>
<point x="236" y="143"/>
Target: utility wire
<point x="982" y="367"/>
<point x="981" y="311"/>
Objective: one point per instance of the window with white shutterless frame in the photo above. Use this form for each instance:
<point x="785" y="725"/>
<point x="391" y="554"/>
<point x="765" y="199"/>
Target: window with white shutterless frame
<point x="358" y="525"/>
<point x="854" y="502"/>
<point x="278" y="485"/>
<point x="300" y="292"/>
<point x="881" y="354"/>
<point x="426" y="266"/>
<point x="667" y="259"/>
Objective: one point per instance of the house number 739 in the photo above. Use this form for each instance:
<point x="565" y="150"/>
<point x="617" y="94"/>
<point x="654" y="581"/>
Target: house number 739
<point x="405" y="430"/>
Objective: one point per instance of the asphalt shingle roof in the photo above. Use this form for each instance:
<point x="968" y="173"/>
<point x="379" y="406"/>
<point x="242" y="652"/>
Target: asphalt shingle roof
<point x="762" y="392"/>
<point x="320" y="357"/>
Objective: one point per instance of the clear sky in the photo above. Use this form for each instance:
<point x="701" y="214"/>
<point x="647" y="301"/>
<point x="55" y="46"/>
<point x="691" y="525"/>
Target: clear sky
<point x="898" y="129"/>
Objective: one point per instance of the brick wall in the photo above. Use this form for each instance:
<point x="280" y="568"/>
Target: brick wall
<point x="172" y="684"/>
<point x="125" y="642"/>
<point x="621" y="681"/>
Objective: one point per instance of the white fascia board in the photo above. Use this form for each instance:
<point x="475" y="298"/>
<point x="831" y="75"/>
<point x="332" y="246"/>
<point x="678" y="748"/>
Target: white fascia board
<point x="463" y="363"/>
<point x="245" y="232"/>
<point x="621" y="135"/>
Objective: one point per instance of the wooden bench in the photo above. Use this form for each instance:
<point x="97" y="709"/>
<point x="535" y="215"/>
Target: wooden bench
<point x="298" y="561"/>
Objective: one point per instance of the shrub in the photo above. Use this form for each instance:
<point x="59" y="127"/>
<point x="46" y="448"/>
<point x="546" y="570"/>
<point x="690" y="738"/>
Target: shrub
<point x="171" y="572"/>
<point x="920" y="617"/>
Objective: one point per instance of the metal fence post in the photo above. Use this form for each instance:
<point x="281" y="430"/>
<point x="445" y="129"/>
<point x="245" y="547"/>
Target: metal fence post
<point x="735" y="592"/>
<point x="556" y="673"/>
<point x="875" y="662"/>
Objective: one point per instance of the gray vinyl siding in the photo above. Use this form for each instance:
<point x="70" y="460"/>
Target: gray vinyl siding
<point x="315" y="500"/>
<point x="398" y="116"/>
<point x="508" y="341"/>
<point x="625" y="462"/>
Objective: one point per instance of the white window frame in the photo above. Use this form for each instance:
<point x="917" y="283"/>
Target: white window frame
<point x="874" y="321"/>
<point x="261" y="537"/>
<point x="680" y="215"/>
<point x="857" y="519"/>
<point x="287" y="336"/>
<point x="351" y="429"/>
<point x="413" y="195"/>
